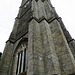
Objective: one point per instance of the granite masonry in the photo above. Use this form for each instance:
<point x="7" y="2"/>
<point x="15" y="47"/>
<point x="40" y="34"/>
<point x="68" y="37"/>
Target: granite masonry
<point x="39" y="43"/>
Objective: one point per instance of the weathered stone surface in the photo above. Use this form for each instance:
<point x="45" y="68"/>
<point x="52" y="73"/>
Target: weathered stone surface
<point x="62" y="48"/>
<point x="72" y="47"/>
<point x="49" y="50"/>
<point x="39" y="30"/>
<point x="35" y="44"/>
<point x="6" y="59"/>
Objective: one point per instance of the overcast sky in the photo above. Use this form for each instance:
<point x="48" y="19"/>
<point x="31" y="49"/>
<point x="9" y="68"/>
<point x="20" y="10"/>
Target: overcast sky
<point x="9" y="10"/>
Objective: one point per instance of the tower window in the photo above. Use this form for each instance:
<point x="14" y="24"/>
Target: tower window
<point x="21" y="62"/>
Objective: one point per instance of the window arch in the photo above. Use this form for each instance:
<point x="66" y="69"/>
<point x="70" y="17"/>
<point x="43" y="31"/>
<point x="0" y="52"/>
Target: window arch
<point x="20" y="58"/>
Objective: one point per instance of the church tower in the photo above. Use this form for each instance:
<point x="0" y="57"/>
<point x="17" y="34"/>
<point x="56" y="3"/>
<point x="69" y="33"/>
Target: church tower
<point x="39" y="43"/>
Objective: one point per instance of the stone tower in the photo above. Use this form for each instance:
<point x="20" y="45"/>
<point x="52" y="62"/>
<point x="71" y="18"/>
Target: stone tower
<point x="39" y="43"/>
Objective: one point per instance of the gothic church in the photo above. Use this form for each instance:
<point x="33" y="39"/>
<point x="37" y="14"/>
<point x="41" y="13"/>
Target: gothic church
<point x="39" y="43"/>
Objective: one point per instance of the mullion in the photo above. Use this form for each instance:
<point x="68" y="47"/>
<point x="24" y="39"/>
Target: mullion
<point x="20" y="63"/>
<point x="24" y="61"/>
<point x="17" y="63"/>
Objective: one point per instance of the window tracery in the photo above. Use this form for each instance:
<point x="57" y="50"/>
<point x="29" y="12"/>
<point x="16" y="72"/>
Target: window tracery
<point x="20" y="65"/>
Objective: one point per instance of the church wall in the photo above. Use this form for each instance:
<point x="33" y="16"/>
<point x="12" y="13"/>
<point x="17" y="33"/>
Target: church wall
<point x="66" y="59"/>
<point x="50" y="48"/>
<point x="6" y="59"/>
<point x="72" y="47"/>
<point x="35" y="56"/>
<point x="51" y="64"/>
<point x="15" y="52"/>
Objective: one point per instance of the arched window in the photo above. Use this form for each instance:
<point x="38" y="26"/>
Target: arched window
<point x="20" y="58"/>
<point x="21" y="62"/>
